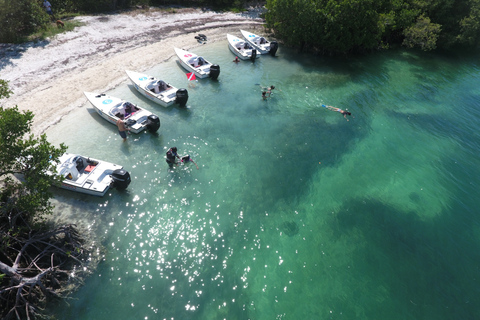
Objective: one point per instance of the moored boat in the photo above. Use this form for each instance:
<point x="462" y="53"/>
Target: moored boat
<point x="112" y="109"/>
<point x="158" y="90"/>
<point x="90" y="176"/>
<point x="260" y="43"/>
<point x="241" y="48"/>
<point x="197" y="64"/>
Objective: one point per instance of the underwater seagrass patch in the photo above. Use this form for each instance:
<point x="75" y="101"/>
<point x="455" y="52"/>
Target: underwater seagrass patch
<point x="290" y="228"/>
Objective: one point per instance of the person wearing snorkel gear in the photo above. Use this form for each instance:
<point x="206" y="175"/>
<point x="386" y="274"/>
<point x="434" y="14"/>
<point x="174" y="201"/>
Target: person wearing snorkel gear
<point x="186" y="159"/>
<point x="343" y="112"/>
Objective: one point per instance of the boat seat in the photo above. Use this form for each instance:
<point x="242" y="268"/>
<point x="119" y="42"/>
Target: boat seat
<point x="128" y="108"/>
<point x="79" y="164"/>
<point x="69" y="171"/>
<point x="118" y="111"/>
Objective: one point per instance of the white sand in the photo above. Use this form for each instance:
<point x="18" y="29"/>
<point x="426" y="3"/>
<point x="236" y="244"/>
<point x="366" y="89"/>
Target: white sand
<point x="49" y="77"/>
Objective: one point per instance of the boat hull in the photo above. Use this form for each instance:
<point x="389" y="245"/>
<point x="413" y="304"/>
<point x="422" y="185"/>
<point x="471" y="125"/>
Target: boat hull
<point x="252" y="39"/>
<point x="86" y="175"/>
<point x="186" y="57"/>
<point x="141" y="82"/>
<point x="244" y="54"/>
<point x="72" y="187"/>
<point x="110" y="108"/>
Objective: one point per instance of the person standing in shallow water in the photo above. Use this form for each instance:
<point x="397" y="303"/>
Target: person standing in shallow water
<point x="172" y="157"/>
<point x="122" y="129"/>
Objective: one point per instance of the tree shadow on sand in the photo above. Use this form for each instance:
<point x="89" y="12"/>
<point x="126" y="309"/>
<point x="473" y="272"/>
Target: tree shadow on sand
<point x="11" y="52"/>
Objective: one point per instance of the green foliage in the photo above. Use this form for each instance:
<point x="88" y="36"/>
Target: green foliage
<point x="51" y="29"/>
<point x="61" y="7"/>
<point x="342" y="26"/>
<point x="20" y="18"/>
<point x="422" y="34"/>
<point x="470" y="25"/>
<point x="329" y="25"/>
<point x="4" y="90"/>
<point x="25" y="163"/>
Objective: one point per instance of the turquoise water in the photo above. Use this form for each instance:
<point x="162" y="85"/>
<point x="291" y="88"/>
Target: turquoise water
<point x="295" y="213"/>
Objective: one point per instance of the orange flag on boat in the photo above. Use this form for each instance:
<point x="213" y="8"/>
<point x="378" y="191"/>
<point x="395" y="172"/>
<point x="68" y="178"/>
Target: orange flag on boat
<point x="191" y="76"/>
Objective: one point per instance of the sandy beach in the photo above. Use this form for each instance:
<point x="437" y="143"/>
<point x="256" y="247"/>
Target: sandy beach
<point x="49" y="77"/>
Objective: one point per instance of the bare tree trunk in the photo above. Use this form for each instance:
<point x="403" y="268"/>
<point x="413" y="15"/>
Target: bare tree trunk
<point x="37" y="273"/>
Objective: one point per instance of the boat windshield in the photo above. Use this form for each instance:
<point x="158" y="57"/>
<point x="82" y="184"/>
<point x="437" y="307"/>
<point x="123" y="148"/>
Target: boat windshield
<point x="117" y="109"/>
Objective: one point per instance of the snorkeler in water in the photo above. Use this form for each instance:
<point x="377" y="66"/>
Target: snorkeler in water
<point x="343" y="112"/>
<point x="187" y="158"/>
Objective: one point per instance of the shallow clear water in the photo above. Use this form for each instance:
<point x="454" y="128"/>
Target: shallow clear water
<point x="295" y="213"/>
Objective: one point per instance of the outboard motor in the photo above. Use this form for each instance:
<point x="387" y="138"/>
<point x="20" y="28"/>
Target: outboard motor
<point x="254" y="55"/>
<point x="273" y="48"/>
<point x="153" y="123"/>
<point x="120" y="179"/>
<point x="130" y="122"/>
<point x="214" y="71"/>
<point x="182" y="97"/>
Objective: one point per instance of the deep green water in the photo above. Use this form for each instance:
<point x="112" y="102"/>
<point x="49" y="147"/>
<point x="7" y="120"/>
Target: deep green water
<point x="295" y="212"/>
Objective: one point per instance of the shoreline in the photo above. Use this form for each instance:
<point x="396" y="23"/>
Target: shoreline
<point x="49" y="77"/>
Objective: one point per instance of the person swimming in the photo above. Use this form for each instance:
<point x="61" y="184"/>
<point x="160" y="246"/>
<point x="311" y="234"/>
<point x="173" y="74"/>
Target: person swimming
<point x="267" y="90"/>
<point x="186" y="159"/>
<point x="343" y="112"/>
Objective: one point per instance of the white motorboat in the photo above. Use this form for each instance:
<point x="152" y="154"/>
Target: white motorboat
<point x="157" y="90"/>
<point x="241" y="48"/>
<point x="112" y="109"/>
<point x="197" y="64"/>
<point x="90" y="176"/>
<point x="260" y="43"/>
